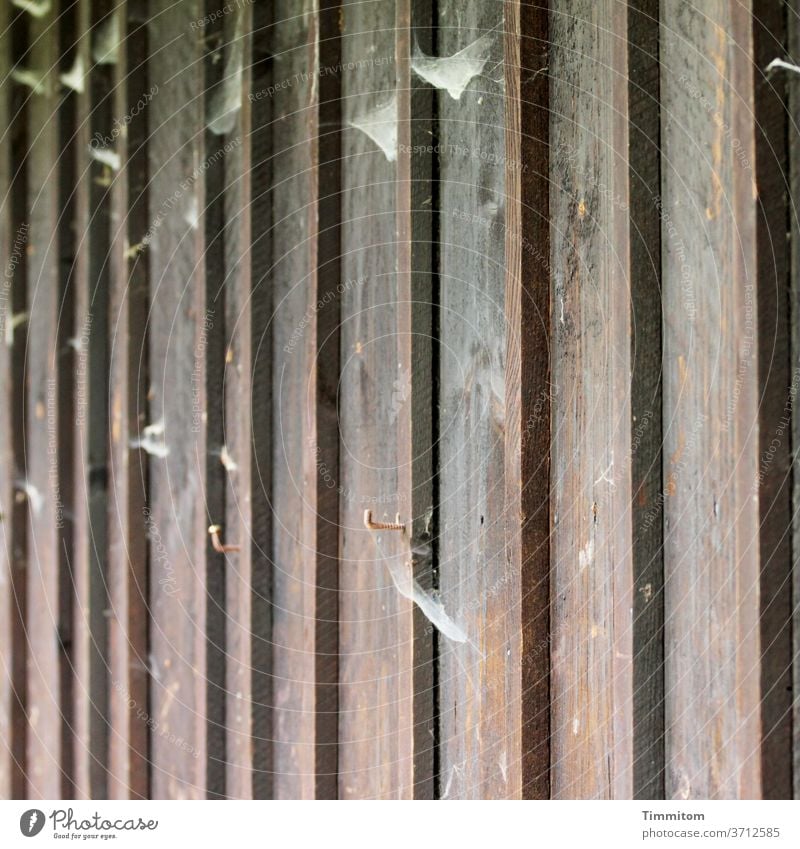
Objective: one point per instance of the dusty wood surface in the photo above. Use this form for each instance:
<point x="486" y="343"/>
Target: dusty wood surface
<point x="178" y="331"/>
<point x="592" y="724"/>
<point x="417" y="295"/>
<point x="294" y="328"/>
<point x="44" y="740"/>
<point x="711" y="516"/>
<point x="480" y="728"/>
<point x="376" y="622"/>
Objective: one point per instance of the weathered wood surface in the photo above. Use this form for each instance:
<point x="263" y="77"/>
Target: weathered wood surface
<point x="644" y="168"/>
<point x="417" y="318"/>
<point x="178" y="329"/>
<point x="529" y="391"/>
<point x="376" y="738"/>
<point x="480" y="678"/>
<point x="40" y="474"/>
<point x="591" y="692"/>
<point x="127" y="546"/>
<point x="711" y="511"/>
<point x="237" y="427"/>
<point x="8" y="260"/>
<point x="295" y="337"/>
<point x="793" y="105"/>
<point x="261" y="194"/>
<point x="777" y="388"/>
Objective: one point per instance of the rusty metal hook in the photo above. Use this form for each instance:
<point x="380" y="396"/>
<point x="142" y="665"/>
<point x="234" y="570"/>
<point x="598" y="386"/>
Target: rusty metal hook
<point x="382" y="526"/>
<point x="216" y="543"/>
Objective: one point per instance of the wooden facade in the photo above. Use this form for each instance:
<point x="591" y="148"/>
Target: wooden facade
<point x="517" y="278"/>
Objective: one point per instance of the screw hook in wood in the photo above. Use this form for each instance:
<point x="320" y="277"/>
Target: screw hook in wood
<point x="216" y="543"/>
<point x="382" y="526"/>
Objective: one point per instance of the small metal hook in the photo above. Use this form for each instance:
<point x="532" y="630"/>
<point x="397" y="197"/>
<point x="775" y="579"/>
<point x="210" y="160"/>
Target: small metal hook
<point x="216" y="543"/>
<point x="382" y="526"/>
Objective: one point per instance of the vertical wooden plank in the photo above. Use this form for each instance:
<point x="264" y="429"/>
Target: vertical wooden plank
<point x="9" y="254"/>
<point x="16" y="333"/>
<point x="44" y="755"/>
<point x="127" y="563"/>
<point x="777" y="388"/>
<point x="294" y="233"/>
<point x="711" y="511"/>
<point x="376" y="620"/>
<point x="91" y="455"/>
<point x="528" y="373"/>
<point x="793" y="36"/>
<point x="178" y="328"/>
<point x="325" y="460"/>
<point x="237" y="424"/>
<point x="480" y="556"/>
<point x="592" y="724"/>
<point x="416" y="391"/>
<point x="646" y="431"/>
<point x="261" y="403"/>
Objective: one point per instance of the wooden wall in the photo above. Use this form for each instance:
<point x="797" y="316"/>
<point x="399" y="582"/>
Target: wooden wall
<point x="470" y="328"/>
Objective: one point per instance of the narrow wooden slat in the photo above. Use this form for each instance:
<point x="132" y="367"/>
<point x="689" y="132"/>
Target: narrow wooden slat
<point x="376" y="621"/>
<point x="178" y="327"/>
<point x="261" y="404"/>
<point x="417" y="296"/>
<point x="44" y="755"/>
<point x="711" y="511"/>
<point x="480" y="678"/>
<point x="90" y="689"/>
<point x="294" y="394"/>
<point x="9" y="260"/>
<point x="777" y="387"/>
<point x="238" y="424"/>
<point x="591" y="683"/>
<point x="18" y="202"/>
<point x="793" y="106"/>
<point x="528" y="389"/>
<point x="325" y="461"/>
<point x="645" y="453"/>
<point x="127" y="566"/>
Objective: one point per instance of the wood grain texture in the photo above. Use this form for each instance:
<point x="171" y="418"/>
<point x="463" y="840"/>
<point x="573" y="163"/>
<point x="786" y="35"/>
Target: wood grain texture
<point x="376" y="623"/>
<point x="127" y="552"/>
<point x="44" y="741"/>
<point x="644" y="168"/>
<point x="711" y="511"/>
<point x="178" y="330"/>
<point x="295" y="317"/>
<point x="480" y="679"/>
<point x="417" y="296"/>
<point x="592" y="724"/>
<point x="237" y="427"/>
<point x="529" y="392"/>
<point x="777" y="388"/>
